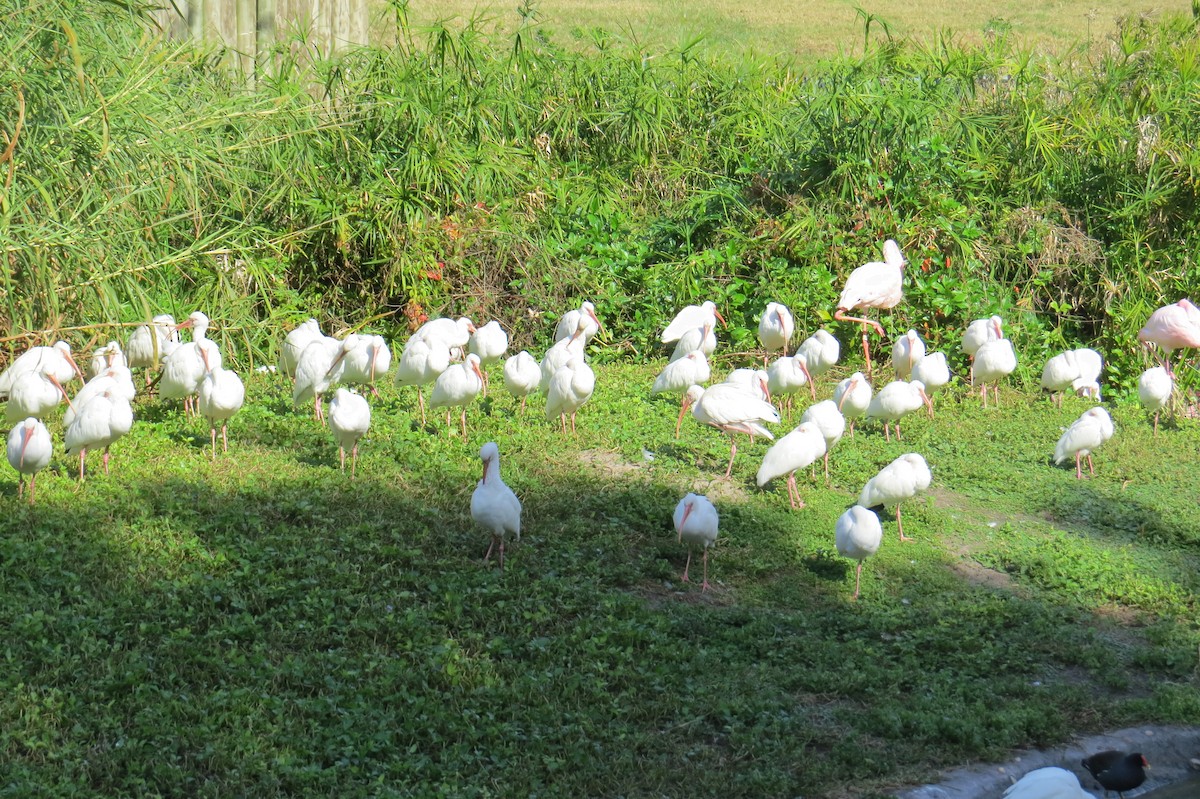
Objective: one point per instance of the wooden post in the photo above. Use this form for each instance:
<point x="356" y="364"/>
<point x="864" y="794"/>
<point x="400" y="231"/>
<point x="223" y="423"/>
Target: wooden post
<point x="195" y="20"/>
<point x="264" y="37"/>
<point x="246" y="25"/>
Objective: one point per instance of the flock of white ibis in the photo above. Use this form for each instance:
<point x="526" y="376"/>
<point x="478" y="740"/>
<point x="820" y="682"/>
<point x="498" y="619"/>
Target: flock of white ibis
<point x="451" y="356"/>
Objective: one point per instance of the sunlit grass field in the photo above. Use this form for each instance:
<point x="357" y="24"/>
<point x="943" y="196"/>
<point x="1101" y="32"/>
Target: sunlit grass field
<point x="806" y="31"/>
<point x="261" y="625"/>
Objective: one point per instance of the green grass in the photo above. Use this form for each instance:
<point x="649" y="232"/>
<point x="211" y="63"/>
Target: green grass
<point x="262" y="626"/>
<point x="804" y="31"/>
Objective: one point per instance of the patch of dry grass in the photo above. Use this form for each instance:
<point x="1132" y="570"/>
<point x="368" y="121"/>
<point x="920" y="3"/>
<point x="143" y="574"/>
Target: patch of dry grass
<point x="806" y="30"/>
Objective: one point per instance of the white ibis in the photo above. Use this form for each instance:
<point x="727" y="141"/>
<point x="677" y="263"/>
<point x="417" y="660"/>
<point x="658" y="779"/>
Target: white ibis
<point x="775" y="329"/>
<point x="908" y="350"/>
<point x="489" y="342"/>
<point x="53" y="362"/>
<point x="570" y="321"/>
<point x="108" y="355"/>
<point x="1061" y="374"/>
<point x="1172" y="327"/>
<point x="494" y="506"/>
<point x="349" y="420"/>
<point x="149" y="344"/>
<point x="878" y="284"/>
<point x="455" y="333"/>
<point x="294" y="343"/>
<point x="787" y="375"/>
<point x="1047" y="783"/>
<point x="369" y="358"/>
<point x="562" y="351"/>
<point x="755" y="381"/>
<point x="690" y="318"/>
<point x="731" y="409"/>
<point x="184" y="368"/>
<point x="799" y="448"/>
<point x="857" y="536"/>
<point x="1155" y="388"/>
<point x="979" y="333"/>
<point x="1091" y="364"/>
<point x="571" y="386"/>
<point x="118" y="381"/>
<point x="457" y="387"/>
<point x="830" y="421"/>
<point x="698" y="338"/>
<point x="994" y="361"/>
<point x="896" y="400"/>
<point x="522" y="375"/>
<point x="422" y="360"/>
<point x="933" y="373"/>
<point x="696" y="521"/>
<point x="219" y="396"/>
<point x="678" y="376"/>
<point x="821" y="351"/>
<point x="1084" y="435"/>
<point x="99" y="423"/>
<point x="853" y="397"/>
<point x="319" y="369"/>
<point x="901" y="479"/>
<point x="29" y="451"/>
<point x="32" y="394"/>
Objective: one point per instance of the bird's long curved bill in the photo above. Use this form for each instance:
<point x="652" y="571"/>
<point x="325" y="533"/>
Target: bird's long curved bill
<point x="25" y="443"/>
<point x="846" y="393"/>
<point x="75" y="366"/>
<point x="720" y="318"/>
<point x="336" y="361"/>
<point x="687" y="511"/>
<point x="486" y="463"/>
<point x="62" y="390"/>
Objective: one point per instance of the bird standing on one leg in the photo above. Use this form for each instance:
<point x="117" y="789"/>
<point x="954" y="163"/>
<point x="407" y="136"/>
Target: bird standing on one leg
<point x="878" y="284"/>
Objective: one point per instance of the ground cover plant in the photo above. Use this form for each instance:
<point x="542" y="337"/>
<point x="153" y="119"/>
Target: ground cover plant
<point x="258" y="625"/>
<point x="261" y="624"/>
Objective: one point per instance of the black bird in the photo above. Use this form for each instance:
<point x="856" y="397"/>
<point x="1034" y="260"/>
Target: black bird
<point x="1117" y="771"/>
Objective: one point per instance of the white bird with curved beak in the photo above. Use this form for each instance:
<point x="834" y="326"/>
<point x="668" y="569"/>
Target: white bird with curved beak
<point x="183" y="368"/>
<point x="349" y="419"/>
<point x="1084" y="435"/>
<point x="54" y="362"/>
<point x="908" y="350"/>
<point x="933" y="373"/>
<point x="107" y="356"/>
<point x="570" y="321"/>
<point x="294" y="343"/>
<point x="456" y="387"/>
<point x="678" y="376"/>
<point x="422" y="360"/>
<point x="799" y="448"/>
<point x="731" y="409"/>
<point x="830" y="421"/>
<point x="320" y="367"/>
<point x="696" y="520"/>
<point x="857" y="536"/>
<point x="569" y="389"/>
<point x="896" y="400"/>
<point x="698" y="339"/>
<point x="690" y="318"/>
<point x="562" y="351"/>
<point x="29" y="451"/>
<point x="853" y="397"/>
<point x="878" y="284"/>
<point x="98" y="424"/>
<point x="901" y="479"/>
<point x="775" y="329"/>
<point x="370" y="358"/>
<point x="522" y="376"/>
<point x="1155" y="388"/>
<point x="33" y="394"/>
<point x="149" y="344"/>
<point x="494" y="506"/>
<point x="220" y="395"/>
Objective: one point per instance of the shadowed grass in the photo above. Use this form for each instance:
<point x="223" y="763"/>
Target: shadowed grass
<point x="262" y="625"/>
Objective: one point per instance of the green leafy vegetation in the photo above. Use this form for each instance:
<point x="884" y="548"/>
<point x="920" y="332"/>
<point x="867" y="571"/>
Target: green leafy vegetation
<point x="262" y="625"/>
<point x="259" y="625"/>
